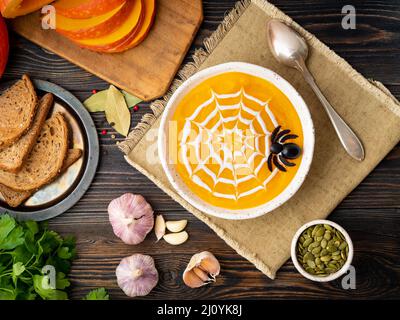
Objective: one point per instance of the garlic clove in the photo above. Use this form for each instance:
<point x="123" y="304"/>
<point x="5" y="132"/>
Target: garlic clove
<point x="210" y="263"/>
<point x="159" y="228"/>
<point x="202" y="266"/>
<point x="176" y="226"/>
<point x="131" y="218"/>
<point x="192" y="280"/>
<point x="176" y="238"/>
<point x="137" y="275"/>
<point x="201" y="274"/>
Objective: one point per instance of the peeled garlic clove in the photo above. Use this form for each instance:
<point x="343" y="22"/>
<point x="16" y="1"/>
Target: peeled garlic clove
<point x="176" y="238"/>
<point x="176" y="226"/>
<point x="137" y="275"/>
<point x="159" y="228"/>
<point x="131" y="218"/>
<point x="203" y="267"/>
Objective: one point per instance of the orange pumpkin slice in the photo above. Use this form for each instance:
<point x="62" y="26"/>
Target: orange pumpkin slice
<point x="118" y="36"/>
<point x="15" y="8"/>
<point x="95" y="27"/>
<point x="131" y="36"/>
<point x="136" y="39"/>
<point x="84" y="9"/>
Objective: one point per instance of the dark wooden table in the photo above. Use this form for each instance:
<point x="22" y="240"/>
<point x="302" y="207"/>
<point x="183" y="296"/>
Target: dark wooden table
<point x="371" y="214"/>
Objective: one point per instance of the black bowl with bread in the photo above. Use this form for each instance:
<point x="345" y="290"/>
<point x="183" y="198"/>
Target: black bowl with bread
<point x="48" y="149"/>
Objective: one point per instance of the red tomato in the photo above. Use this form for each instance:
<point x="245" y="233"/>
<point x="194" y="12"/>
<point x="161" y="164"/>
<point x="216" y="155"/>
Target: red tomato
<point x="3" y="45"/>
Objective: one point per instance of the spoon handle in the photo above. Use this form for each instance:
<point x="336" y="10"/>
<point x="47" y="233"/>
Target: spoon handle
<point x="347" y="137"/>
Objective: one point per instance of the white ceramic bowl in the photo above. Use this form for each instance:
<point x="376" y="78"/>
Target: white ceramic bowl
<point x="332" y="276"/>
<point x="302" y="111"/>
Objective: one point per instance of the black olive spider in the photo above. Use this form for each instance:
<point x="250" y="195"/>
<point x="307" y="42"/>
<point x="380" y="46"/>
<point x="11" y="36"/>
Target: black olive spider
<point x="280" y="151"/>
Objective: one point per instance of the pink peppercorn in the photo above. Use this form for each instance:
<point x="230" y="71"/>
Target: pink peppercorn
<point x="104" y="132"/>
<point x="135" y="108"/>
<point x="94" y="91"/>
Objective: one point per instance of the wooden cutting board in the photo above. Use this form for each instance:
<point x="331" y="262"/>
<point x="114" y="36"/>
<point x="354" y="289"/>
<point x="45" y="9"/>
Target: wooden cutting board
<point x="145" y="71"/>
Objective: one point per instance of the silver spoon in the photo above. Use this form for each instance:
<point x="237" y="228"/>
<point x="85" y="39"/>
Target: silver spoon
<point x="289" y="48"/>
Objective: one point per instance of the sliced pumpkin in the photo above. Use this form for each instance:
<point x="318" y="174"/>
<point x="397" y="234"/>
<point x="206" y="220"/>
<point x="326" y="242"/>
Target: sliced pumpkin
<point x="148" y="20"/>
<point x="85" y="9"/>
<point x="16" y="8"/>
<point x="119" y="35"/>
<point x="95" y="27"/>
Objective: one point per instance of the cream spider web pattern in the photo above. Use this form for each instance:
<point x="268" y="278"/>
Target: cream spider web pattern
<point x="232" y="136"/>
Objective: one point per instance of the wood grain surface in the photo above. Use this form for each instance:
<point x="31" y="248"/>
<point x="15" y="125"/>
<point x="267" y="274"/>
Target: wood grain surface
<point x="371" y="214"/>
<point x="145" y="71"/>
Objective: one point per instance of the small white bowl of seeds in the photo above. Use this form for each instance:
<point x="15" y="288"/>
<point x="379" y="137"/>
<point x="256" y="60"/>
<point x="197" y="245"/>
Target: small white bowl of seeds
<point x="322" y="250"/>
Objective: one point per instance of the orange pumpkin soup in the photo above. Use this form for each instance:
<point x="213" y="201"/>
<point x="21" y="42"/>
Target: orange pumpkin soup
<point x="233" y="146"/>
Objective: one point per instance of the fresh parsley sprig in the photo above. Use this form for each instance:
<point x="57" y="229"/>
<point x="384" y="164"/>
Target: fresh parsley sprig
<point x="27" y="247"/>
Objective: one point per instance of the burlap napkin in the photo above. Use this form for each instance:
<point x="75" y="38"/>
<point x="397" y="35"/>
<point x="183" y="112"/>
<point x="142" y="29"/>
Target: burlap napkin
<point x="368" y="107"/>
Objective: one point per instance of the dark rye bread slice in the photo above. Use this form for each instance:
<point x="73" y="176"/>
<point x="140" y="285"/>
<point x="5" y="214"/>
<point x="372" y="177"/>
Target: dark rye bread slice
<point x="17" y="109"/>
<point x="13" y="157"/>
<point x="46" y="159"/>
<point x="16" y="198"/>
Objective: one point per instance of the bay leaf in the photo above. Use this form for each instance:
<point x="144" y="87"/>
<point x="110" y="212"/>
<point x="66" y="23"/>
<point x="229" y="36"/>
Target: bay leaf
<point x="130" y="99"/>
<point x="96" y="102"/>
<point x="117" y="112"/>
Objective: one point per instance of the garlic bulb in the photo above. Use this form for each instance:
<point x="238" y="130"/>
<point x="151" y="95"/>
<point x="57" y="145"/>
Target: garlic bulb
<point x="131" y="218"/>
<point x="137" y="275"/>
<point x="159" y="228"/>
<point x="201" y="270"/>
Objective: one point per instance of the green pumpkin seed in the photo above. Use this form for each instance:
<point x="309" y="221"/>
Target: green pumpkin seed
<point x="343" y="255"/>
<point x="331" y="249"/>
<point x="324" y="252"/>
<point x="307" y="242"/>
<point x="336" y="257"/>
<point x="311" y="264"/>
<point x="308" y="256"/>
<point x="327" y="235"/>
<point x="320" y="232"/>
<point x="336" y="253"/>
<point x="328" y="227"/>
<point x="330" y="270"/>
<point x="316" y="250"/>
<point x="326" y="258"/>
<point x="314" y="230"/>
<point x="310" y="270"/>
<point x="313" y="245"/>
<point x="343" y="245"/>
